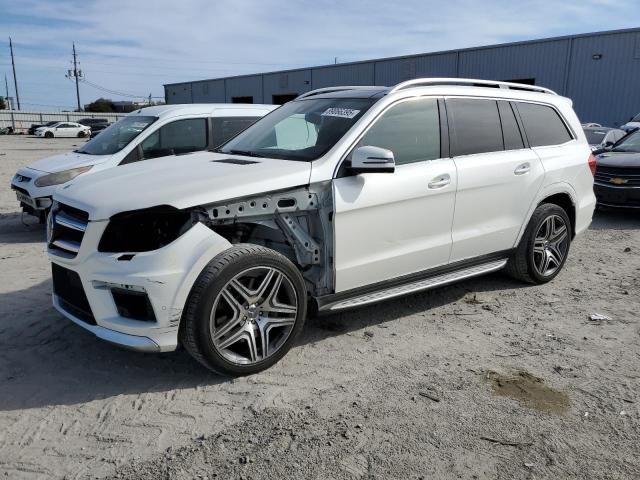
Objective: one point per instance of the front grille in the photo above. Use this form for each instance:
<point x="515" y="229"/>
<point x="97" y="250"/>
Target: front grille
<point x="21" y="190"/>
<point x="71" y="297"/>
<point x="67" y="228"/>
<point x="629" y="176"/>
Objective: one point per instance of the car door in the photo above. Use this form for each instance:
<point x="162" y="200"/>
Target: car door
<point x="392" y="224"/>
<point x="498" y="177"/>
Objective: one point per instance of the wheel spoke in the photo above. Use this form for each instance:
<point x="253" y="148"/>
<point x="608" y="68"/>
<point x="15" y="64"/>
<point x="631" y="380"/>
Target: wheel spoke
<point x="259" y="293"/>
<point x="243" y="291"/>
<point x="232" y="339"/>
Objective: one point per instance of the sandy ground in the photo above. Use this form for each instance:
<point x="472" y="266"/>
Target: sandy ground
<point x="485" y="379"/>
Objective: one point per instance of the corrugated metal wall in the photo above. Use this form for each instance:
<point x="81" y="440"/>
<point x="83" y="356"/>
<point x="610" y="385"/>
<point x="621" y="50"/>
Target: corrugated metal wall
<point x="600" y="72"/>
<point x="605" y="89"/>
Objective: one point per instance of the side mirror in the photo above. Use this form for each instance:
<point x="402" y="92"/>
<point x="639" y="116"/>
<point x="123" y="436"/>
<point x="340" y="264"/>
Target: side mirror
<point x="372" y="160"/>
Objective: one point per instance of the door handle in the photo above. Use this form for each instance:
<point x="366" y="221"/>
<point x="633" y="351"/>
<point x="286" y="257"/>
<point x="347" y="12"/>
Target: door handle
<point x="522" y="169"/>
<point x="440" y="182"/>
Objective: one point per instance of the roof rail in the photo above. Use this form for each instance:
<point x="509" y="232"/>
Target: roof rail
<point x="420" y="82"/>
<point x="318" y="91"/>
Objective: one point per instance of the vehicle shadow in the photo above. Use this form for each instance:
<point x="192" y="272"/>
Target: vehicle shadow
<point x="46" y="360"/>
<point x="612" y="219"/>
<point x="16" y="227"/>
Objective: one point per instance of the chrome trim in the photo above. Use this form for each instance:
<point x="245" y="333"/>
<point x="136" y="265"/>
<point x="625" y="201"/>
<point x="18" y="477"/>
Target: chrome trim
<point x="417" y="286"/>
<point x="67" y="245"/>
<point x="66" y="221"/>
<point x="418" y="82"/>
<point x="318" y="91"/>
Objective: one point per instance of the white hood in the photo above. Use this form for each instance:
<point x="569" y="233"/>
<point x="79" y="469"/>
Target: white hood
<point x="65" y="161"/>
<point x="179" y="181"/>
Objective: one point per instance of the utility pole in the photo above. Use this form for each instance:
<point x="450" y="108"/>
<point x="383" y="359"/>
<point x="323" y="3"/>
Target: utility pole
<point x="76" y="74"/>
<point x="15" y="79"/>
<point x="6" y="89"/>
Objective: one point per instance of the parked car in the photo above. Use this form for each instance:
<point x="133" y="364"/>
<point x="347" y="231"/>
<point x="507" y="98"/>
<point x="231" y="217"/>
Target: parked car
<point x="35" y="126"/>
<point x="632" y="125"/>
<point x="602" y="137"/>
<point x="591" y="124"/>
<point x="63" y="129"/>
<point x="96" y="129"/>
<point x="617" y="179"/>
<point x="90" y="122"/>
<point x="147" y="133"/>
<point x="344" y="197"/>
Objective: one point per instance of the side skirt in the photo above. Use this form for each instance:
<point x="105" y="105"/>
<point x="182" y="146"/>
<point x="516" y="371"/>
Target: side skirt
<point x="412" y="283"/>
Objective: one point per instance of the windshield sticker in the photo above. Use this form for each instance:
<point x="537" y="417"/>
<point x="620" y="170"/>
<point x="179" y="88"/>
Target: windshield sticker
<point x="340" y="112"/>
<point x="139" y="125"/>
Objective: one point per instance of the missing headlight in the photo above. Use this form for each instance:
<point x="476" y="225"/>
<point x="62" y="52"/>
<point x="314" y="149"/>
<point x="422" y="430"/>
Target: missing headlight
<point x="144" y="230"/>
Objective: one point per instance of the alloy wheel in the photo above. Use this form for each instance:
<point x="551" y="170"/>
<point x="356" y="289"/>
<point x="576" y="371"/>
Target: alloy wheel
<point x="550" y="245"/>
<point x="253" y="315"/>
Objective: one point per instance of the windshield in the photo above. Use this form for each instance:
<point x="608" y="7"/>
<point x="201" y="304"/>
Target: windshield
<point x="302" y="130"/>
<point x="117" y="136"/>
<point x="630" y="143"/>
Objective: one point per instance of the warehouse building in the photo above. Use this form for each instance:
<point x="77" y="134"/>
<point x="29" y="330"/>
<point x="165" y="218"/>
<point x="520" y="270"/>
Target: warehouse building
<point x="599" y="71"/>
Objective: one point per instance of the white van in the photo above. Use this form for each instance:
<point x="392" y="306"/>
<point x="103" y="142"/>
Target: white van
<point x="144" y="134"/>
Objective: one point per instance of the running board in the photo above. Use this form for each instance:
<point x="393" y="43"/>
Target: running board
<point x="412" y="287"/>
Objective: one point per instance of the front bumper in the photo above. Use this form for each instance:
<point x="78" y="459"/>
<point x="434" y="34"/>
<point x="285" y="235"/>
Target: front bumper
<point x="617" y="196"/>
<point x="165" y="276"/>
<point x="33" y="199"/>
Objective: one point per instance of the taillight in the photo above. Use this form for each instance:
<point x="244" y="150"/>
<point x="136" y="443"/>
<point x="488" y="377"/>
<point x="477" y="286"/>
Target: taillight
<point x="592" y="164"/>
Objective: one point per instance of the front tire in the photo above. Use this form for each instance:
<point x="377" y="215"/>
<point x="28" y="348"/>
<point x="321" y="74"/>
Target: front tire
<point x="245" y="311"/>
<point x="81" y="134"/>
<point x="544" y="247"/>
<point x="48" y="135"/>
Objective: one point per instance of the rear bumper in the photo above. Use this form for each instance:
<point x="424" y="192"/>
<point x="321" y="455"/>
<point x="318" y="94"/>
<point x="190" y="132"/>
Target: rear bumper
<point x="617" y="196"/>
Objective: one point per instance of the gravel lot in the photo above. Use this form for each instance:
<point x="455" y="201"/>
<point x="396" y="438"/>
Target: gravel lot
<point x="489" y="378"/>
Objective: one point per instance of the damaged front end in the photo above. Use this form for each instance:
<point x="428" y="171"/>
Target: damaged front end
<point x="296" y="223"/>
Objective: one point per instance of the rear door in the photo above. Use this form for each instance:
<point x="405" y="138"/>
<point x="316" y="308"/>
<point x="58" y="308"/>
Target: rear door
<point x="392" y="224"/>
<point x="498" y="176"/>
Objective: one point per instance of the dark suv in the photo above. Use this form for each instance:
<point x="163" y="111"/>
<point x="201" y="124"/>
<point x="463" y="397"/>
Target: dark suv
<point x="617" y="178"/>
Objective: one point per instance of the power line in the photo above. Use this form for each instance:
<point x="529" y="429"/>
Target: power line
<point x="114" y="92"/>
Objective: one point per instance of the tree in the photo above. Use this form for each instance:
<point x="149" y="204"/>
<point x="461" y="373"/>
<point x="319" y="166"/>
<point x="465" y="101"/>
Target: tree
<point x="3" y="104"/>
<point x="100" y="105"/>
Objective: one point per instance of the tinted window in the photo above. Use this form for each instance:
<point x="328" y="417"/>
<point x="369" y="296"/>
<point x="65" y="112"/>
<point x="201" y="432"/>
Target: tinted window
<point x="475" y="126"/>
<point x="543" y="125"/>
<point x="181" y="136"/>
<point x="630" y="143"/>
<point x="594" y="137"/>
<point x="510" y="129"/>
<point x="411" y="130"/>
<point x="225" y="128"/>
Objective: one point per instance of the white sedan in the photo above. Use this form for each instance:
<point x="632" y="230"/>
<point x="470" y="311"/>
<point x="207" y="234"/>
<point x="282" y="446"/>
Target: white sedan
<point x="64" y="129"/>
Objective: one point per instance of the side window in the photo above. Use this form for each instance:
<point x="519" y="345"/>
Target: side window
<point x="411" y="130"/>
<point x="543" y="125"/>
<point x="225" y="128"/>
<point x="475" y="126"/>
<point x="510" y="130"/>
<point x="181" y="136"/>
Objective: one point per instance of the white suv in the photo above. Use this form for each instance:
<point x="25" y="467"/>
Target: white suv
<point x="344" y="197"/>
<point x="146" y="133"/>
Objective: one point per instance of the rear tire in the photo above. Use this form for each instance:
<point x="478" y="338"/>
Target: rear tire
<point x="544" y="247"/>
<point x="245" y="311"/>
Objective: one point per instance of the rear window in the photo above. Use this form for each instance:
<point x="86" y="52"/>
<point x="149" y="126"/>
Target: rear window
<point x="595" y="137"/>
<point x="475" y="126"/>
<point x="225" y="128"/>
<point x="543" y="125"/>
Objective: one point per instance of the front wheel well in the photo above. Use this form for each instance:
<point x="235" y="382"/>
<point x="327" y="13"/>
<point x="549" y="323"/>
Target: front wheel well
<point x="564" y="201"/>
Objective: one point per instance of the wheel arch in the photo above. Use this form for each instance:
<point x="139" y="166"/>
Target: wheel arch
<point x="564" y="201"/>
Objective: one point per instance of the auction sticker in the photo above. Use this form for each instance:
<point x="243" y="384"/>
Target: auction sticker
<point x="340" y="112"/>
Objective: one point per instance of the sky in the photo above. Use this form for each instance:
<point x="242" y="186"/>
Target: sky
<point x="135" y="46"/>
